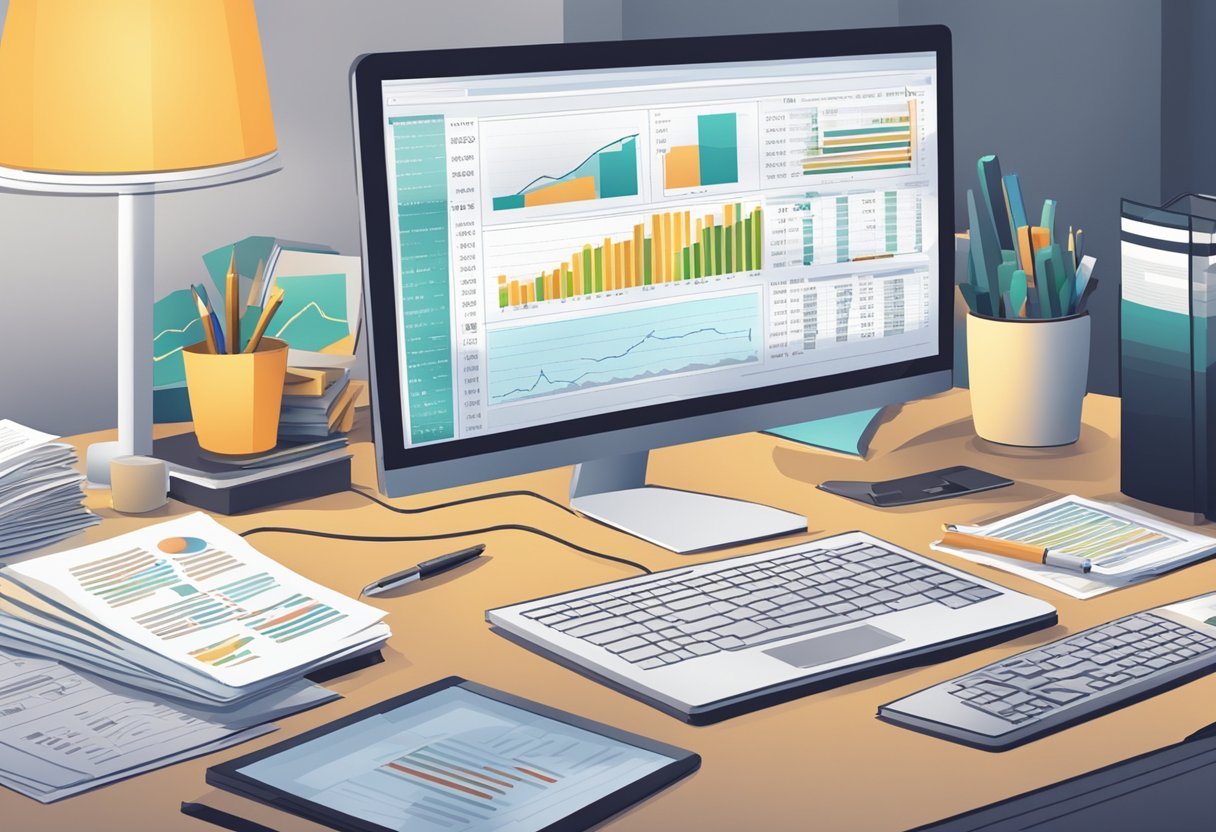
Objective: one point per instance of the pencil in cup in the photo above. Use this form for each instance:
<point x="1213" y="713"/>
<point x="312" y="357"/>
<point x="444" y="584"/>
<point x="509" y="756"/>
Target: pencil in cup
<point x="272" y="306"/>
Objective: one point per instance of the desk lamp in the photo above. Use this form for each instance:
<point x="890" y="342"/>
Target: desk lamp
<point x="132" y="98"/>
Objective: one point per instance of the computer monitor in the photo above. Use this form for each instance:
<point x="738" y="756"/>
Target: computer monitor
<point x="574" y="253"/>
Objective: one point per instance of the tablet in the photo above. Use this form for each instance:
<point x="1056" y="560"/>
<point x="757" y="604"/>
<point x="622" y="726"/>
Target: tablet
<point x="455" y="756"/>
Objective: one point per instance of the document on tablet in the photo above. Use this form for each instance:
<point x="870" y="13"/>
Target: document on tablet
<point x="455" y="759"/>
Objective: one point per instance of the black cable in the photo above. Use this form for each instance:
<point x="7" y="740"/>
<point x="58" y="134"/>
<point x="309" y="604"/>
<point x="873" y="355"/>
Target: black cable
<point x="497" y="495"/>
<point x="449" y="535"/>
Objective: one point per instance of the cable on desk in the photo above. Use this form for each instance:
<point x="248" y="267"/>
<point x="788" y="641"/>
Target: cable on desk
<point x="497" y="495"/>
<point x="503" y="527"/>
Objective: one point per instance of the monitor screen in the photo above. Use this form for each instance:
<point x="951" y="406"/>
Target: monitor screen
<point x="568" y="244"/>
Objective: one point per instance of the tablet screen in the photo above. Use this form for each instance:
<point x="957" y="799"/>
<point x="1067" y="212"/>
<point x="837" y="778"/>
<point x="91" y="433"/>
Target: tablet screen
<point x="456" y="761"/>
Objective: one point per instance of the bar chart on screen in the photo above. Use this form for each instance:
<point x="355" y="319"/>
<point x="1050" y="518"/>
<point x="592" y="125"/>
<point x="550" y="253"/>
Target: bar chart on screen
<point x="621" y="255"/>
<point x="704" y="150"/>
<point x="633" y="342"/>
<point x="543" y="167"/>
<point x="841" y="136"/>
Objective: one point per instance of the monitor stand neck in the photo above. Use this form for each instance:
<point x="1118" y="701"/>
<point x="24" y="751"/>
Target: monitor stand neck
<point x="614" y="491"/>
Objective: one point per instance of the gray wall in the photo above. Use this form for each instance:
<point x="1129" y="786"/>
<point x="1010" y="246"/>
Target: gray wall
<point x="1068" y="94"/>
<point x="1079" y="118"/>
<point x="57" y="254"/>
<point x="1187" y="116"/>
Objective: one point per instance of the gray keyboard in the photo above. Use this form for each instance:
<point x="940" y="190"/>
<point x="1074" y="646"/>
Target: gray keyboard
<point x="684" y="616"/>
<point x="1051" y="687"/>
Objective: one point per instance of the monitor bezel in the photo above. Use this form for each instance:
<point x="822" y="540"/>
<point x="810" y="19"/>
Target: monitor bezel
<point x="369" y="72"/>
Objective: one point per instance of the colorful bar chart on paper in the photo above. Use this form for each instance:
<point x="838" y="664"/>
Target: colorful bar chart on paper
<point x="608" y="171"/>
<point x="295" y="616"/>
<point x="713" y="160"/>
<point x="860" y="137"/>
<point x="126" y="577"/>
<point x="230" y="651"/>
<point x="665" y="248"/>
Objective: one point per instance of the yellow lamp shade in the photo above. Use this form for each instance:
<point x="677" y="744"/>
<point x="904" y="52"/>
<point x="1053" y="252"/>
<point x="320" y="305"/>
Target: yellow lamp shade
<point x="132" y="86"/>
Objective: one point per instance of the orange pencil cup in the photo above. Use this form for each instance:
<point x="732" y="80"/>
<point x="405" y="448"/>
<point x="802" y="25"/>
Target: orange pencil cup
<point x="236" y="399"/>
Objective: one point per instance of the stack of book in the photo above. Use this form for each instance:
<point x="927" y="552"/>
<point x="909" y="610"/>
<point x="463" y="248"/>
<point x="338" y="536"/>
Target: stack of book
<point x="229" y="485"/>
<point x="40" y="490"/>
<point x="203" y="636"/>
<point x="317" y="404"/>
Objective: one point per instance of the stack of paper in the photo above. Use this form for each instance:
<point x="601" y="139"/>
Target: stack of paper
<point x="62" y="732"/>
<point x="184" y="609"/>
<point x="1124" y="545"/>
<point x="40" y="490"/>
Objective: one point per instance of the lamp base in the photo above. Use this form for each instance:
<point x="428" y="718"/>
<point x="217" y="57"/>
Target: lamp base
<point x="97" y="462"/>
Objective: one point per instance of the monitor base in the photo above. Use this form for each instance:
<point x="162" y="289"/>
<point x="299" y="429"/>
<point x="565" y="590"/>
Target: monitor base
<point x="613" y="491"/>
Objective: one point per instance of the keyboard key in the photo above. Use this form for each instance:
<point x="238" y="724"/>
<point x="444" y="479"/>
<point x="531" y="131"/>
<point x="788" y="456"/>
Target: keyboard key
<point x="636" y="655"/>
<point x="1060" y="695"/>
<point x="694" y="613"/>
<point x="741" y="629"/>
<point x="626" y="644"/>
<point x="705" y="624"/>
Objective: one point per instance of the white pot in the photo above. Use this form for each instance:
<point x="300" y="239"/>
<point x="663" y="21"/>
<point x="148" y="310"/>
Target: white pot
<point x="1028" y="378"/>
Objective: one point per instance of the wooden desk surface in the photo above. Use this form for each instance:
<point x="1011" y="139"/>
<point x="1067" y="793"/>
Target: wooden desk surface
<point x="821" y="762"/>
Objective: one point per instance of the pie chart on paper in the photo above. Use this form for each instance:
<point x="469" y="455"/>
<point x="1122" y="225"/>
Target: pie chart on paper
<point x="182" y="545"/>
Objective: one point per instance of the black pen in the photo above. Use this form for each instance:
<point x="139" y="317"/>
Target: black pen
<point x="201" y="811"/>
<point x="424" y="570"/>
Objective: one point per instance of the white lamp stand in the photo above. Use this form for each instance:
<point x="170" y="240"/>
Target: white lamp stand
<point x="136" y="250"/>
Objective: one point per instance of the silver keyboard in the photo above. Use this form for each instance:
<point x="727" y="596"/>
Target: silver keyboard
<point x="736" y="607"/>
<point x="1064" y="682"/>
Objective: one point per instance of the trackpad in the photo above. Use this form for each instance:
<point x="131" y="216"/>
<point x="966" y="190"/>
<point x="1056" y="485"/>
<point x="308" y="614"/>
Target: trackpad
<point x="818" y="650"/>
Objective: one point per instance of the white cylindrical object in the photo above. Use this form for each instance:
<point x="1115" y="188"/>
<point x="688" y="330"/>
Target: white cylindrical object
<point x="1028" y="378"/>
<point x="138" y="484"/>
<point x="136" y="220"/>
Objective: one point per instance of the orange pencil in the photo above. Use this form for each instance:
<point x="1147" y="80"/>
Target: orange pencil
<point x="233" y="336"/>
<point x="205" y="317"/>
<point x="272" y="306"/>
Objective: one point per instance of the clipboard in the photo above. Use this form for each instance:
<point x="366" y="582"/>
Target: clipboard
<point x="457" y="755"/>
